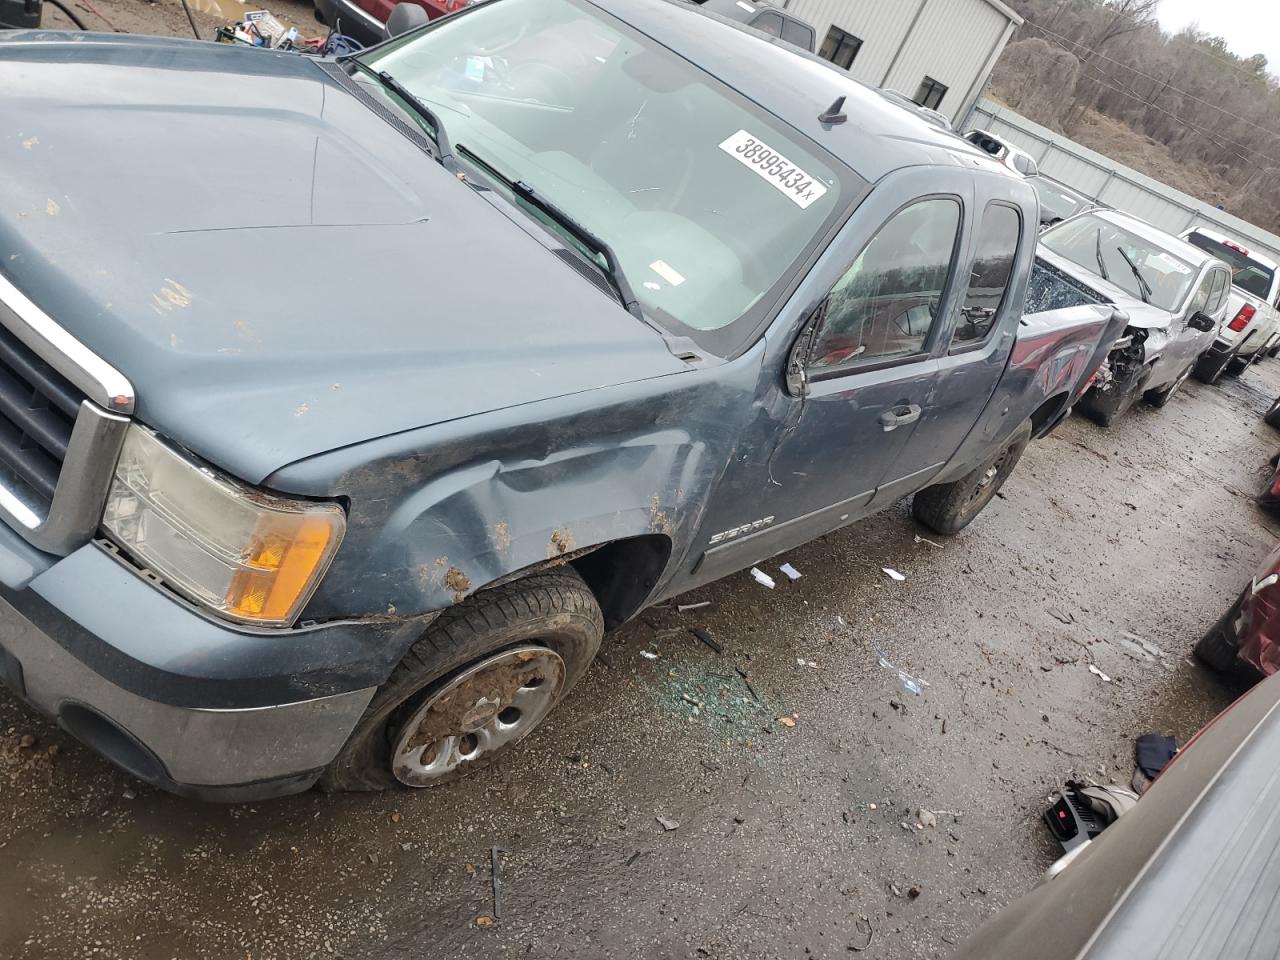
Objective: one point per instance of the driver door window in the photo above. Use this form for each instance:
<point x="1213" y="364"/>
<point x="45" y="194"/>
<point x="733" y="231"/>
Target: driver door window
<point x="886" y="305"/>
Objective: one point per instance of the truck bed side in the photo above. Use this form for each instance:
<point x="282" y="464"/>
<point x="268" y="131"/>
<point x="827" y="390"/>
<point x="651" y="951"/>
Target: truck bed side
<point x="1062" y="339"/>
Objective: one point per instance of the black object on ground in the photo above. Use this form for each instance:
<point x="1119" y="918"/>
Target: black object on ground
<point x="1153" y="753"/>
<point x="495" y="869"/>
<point x="1082" y="812"/>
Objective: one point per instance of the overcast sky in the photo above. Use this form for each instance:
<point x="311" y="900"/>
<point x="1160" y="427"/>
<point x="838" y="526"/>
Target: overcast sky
<point x="1248" y="26"/>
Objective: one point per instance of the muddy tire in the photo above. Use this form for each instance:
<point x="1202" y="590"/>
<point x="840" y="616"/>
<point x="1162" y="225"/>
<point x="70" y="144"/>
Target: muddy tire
<point x="1217" y="648"/>
<point x="948" y="508"/>
<point x="1158" y="398"/>
<point x="549" y="618"/>
<point x="1210" y="366"/>
<point x="1272" y="416"/>
<point x="1237" y="366"/>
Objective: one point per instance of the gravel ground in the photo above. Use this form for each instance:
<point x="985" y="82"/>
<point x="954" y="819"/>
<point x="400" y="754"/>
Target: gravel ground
<point x="797" y="814"/>
<point x="797" y="805"/>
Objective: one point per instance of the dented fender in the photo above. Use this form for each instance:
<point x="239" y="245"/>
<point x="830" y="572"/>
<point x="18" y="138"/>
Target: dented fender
<point x="439" y="513"/>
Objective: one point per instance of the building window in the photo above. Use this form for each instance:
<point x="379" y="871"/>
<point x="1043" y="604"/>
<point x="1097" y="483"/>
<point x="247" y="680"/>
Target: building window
<point x="930" y="93"/>
<point x="840" y="47"/>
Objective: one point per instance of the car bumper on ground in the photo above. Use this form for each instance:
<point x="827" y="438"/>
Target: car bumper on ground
<point x="193" y="705"/>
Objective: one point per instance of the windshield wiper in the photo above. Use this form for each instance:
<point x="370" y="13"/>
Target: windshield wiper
<point x="444" y="150"/>
<point x="1098" y="247"/>
<point x="612" y="268"/>
<point x="1144" y="288"/>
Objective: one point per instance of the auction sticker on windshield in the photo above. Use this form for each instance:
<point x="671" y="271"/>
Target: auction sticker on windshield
<point x="799" y="187"/>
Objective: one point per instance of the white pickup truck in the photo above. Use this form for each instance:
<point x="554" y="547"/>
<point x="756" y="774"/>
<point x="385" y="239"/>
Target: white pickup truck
<point x="1254" y="321"/>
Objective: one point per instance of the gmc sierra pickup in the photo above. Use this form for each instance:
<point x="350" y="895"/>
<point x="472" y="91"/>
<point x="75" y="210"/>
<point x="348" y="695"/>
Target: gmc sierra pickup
<point x="344" y="404"/>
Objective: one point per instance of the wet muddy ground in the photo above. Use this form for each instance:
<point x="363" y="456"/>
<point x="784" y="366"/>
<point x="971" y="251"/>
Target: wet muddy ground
<point x="796" y="813"/>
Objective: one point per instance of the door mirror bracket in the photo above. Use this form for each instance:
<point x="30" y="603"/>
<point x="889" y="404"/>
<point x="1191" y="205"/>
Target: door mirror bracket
<point x="798" y="359"/>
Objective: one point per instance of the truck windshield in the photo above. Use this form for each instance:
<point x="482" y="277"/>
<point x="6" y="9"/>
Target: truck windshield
<point x="707" y="201"/>
<point x="1246" y="273"/>
<point x="1133" y="263"/>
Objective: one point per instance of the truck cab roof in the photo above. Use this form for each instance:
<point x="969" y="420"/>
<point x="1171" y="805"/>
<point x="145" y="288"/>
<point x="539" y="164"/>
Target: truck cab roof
<point x="797" y="87"/>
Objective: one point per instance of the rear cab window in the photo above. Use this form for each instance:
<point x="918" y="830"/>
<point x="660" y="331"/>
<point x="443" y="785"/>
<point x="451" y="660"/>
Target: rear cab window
<point x="997" y="248"/>
<point x="1247" y="273"/>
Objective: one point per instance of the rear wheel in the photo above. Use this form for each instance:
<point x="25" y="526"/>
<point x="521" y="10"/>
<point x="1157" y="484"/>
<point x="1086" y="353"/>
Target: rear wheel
<point x="1210" y="366"/>
<point x="950" y="507"/>
<point x="481" y="678"/>
<point x="1237" y="366"/>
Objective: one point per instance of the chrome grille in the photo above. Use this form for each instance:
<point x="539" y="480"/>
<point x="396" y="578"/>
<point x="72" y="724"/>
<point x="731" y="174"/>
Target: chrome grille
<point x="38" y="409"/>
<point x="62" y="420"/>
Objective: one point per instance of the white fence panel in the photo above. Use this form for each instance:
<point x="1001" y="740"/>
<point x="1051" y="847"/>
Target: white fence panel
<point x="1111" y="183"/>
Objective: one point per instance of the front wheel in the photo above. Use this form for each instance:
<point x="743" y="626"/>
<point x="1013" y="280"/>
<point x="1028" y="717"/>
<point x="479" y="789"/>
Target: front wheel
<point x="481" y="678"/>
<point x="1160" y="397"/>
<point x="948" y="508"/>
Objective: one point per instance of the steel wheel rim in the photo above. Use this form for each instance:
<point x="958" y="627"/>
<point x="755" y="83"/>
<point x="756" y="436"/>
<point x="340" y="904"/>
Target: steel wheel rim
<point x="483" y="710"/>
<point x="988" y="477"/>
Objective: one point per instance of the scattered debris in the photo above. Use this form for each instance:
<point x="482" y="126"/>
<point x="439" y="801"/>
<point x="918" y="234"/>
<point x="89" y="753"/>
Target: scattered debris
<point x="395" y="817"/>
<point x="1060" y="616"/>
<point x="762" y="578"/>
<point x="802" y="662"/>
<point x="863" y="926"/>
<point x="894" y="888"/>
<point x="686" y="607"/>
<point x="893" y="574"/>
<point x="648" y="655"/>
<point x="927" y="818"/>
<point x="914" y="892"/>
<point x="495" y="874"/>
<point x="27" y="742"/>
<point x="787" y="721"/>
<point x="258" y="28"/>
<point x="790" y="571"/>
<point x="909" y="683"/>
<point x="666" y="824"/>
<point x="1093" y="668"/>
<point x="920" y="539"/>
<point x="709" y="640"/>
<point x="484" y="920"/>
<point x="129" y="794"/>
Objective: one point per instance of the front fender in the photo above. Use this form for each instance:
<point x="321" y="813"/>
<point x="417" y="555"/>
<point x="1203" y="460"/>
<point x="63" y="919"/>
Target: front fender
<point x="435" y="515"/>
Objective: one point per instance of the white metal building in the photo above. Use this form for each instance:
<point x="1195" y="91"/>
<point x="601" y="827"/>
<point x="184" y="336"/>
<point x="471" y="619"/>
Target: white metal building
<point x="938" y="52"/>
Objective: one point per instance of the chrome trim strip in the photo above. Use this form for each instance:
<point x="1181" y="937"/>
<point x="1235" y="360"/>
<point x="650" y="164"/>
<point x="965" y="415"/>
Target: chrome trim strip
<point x="100" y="382"/>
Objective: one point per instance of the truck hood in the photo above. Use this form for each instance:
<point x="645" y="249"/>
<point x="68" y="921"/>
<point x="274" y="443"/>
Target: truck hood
<point x="277" y="269"/>
<point x="1142" y="315"/>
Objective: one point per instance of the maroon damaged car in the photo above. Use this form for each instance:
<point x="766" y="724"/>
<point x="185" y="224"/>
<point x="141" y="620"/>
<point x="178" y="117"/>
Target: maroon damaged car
<point x="1247" y="637"/>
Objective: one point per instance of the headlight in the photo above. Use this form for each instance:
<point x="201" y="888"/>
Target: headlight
<point x="250" y="556"/>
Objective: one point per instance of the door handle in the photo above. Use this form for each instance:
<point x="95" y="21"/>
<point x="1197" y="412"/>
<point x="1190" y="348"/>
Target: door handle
<point x="899" y="415"/>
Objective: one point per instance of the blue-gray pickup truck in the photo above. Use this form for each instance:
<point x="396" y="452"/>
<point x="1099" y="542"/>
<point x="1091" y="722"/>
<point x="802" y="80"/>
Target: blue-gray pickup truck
<point x="344" y="404"/>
